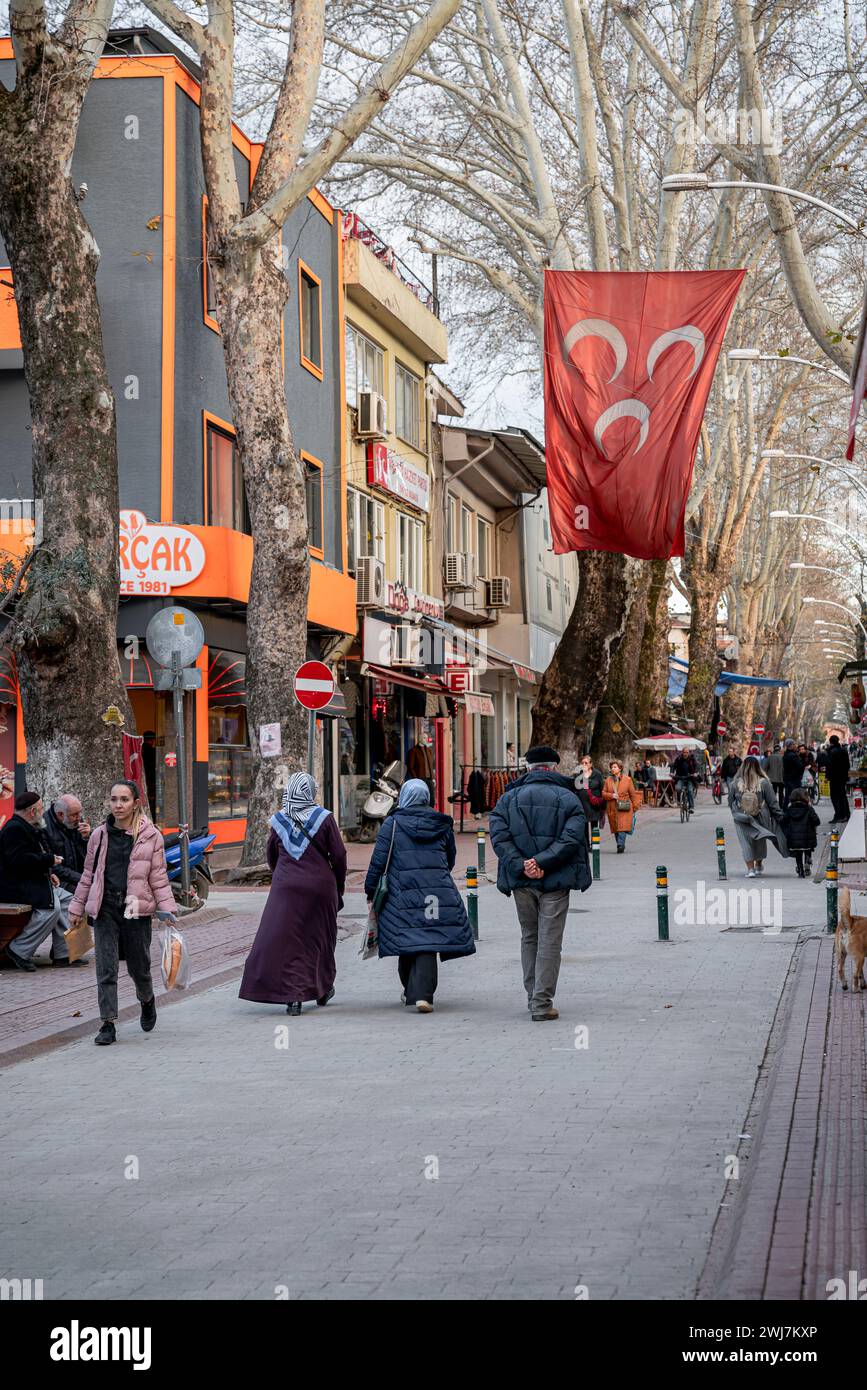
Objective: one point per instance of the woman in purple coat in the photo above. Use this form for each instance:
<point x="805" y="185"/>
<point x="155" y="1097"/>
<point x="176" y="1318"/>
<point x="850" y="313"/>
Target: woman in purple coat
<point x="292" y="958"/>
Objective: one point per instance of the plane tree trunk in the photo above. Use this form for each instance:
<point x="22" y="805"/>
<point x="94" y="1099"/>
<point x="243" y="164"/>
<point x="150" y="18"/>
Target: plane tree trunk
<point x="64" y="628"/>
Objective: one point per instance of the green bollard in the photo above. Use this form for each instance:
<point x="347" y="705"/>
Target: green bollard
<point x="480" y="842"/>
<point x="831" y="885"/>
<point x="721" y="851"/>
<point x="473" y="899"/>
<point x="594" y="845"/>
<point x="662" y="901"/>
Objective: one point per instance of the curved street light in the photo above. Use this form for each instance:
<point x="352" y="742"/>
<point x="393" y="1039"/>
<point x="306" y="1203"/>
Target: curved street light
<point x="843" y="609"/>
<point x="695" y="182"/>
<point x="754" y="355"/>
<point x="813" y="458"/>
<point x="857" y="541"/>
<point x="824" y="569"/>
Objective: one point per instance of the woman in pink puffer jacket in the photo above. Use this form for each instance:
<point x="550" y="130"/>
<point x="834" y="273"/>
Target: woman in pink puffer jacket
<point x="123" y="883"/>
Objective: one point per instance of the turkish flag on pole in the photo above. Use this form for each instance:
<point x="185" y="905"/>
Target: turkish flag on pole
<point x="629" y="360"/>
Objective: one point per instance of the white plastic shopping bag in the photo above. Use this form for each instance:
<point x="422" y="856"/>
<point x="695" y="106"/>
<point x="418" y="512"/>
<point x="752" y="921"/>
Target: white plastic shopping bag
<point x="175" y="960"/>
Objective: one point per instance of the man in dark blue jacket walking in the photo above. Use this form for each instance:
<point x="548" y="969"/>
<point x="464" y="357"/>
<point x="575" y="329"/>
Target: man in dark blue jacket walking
<point x="538" y="831"/>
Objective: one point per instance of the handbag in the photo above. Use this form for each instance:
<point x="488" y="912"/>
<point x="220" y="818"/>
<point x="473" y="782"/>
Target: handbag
<point x="79" y="940"/>
<point x="623" y="803"/>
<point x="380" y="892"/>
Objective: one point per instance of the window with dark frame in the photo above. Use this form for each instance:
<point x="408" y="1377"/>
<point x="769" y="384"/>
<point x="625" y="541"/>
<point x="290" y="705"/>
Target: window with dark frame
<point x="227" y="501"/>
<point x="315" y="528"/>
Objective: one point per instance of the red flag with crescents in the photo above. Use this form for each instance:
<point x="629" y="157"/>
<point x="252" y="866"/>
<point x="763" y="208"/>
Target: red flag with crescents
<point x="629" y="361"/>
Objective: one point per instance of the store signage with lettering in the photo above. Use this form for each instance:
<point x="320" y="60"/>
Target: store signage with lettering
<point x="478" y="704"/>
<point x="458" y="679"/>
<point x="524" y="673"/>
<point x="388" y="470"/>
<point x="156" y="559"/>
<point x="402" y="600"/>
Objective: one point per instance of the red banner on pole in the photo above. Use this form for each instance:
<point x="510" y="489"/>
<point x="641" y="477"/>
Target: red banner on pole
<point x="629" y="361"/>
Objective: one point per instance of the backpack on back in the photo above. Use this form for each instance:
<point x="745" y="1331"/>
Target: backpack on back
<point x="749" y="801"/>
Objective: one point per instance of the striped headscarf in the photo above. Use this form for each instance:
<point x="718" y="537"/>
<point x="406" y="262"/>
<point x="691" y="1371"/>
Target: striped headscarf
<point x="299" y="798"/>
<point x="299" y="809"/>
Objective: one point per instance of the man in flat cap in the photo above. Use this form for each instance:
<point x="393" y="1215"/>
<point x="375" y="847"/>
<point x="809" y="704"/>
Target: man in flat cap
<point x="538" y="831"/>
<point x="27" y="865"/>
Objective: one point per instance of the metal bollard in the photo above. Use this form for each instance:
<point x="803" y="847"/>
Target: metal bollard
<point x="721" y="851"/>
<point x="831" y="885"/>
<point x="594" y="845"/>
<point x="473" y="899"/>
<point x="662" y="901"/>
<point x="480" y="842"/>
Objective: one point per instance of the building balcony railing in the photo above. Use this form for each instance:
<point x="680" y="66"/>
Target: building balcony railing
<point x="357" y="230"/>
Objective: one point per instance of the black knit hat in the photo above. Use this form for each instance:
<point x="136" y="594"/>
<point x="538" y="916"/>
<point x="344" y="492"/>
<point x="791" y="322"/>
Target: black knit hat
<point x="25" y="800"/>
<point x="542" y="754"/>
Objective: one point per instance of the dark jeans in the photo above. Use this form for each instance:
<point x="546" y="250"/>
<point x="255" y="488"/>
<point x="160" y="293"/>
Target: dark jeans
<point x="839" y="800"/>
<point x="804" y="858"/>
<point x="113" y="933"/>
<point x="418" y="975"/>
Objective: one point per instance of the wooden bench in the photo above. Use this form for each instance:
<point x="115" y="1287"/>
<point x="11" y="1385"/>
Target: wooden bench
<point x="13" y="919"/>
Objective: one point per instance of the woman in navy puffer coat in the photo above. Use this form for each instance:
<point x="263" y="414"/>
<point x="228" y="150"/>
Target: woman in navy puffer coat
<point x="423" y="913"/>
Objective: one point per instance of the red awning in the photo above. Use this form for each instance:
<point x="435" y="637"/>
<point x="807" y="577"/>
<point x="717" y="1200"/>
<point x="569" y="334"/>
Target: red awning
<point x="387" y="673"/>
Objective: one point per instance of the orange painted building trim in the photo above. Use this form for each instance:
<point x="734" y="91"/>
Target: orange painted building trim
<point x="316" y="552"/>
<point x="10" y="328"/>
<point x="228" y="832"/>
<point x="321" y="204"/>
<point x="211" y="322"/>
<point x="304" y="269"/>
<point x="167" y="440"/>
<point x="209" y="419"/>
<point x="6" y="49"/>
<point x="331" y="600"/>
<point x="341" y="332"/>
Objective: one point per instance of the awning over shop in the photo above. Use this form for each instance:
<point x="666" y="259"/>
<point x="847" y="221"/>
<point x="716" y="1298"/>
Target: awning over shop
<point x="678" y="670"/>
<point x="388" y="673"/>
<point x="729" y="678"/>
<point x="478" y="704"/>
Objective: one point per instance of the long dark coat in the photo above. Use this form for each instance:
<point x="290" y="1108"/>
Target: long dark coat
<point x="292" y="957"/>
<point x="424" y="912"/>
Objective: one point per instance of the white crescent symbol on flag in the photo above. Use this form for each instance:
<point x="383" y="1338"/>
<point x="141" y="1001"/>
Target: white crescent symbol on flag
<point x="621" y="410"/>
<point x="598" y="328"/>
<point x="686" y="334"/>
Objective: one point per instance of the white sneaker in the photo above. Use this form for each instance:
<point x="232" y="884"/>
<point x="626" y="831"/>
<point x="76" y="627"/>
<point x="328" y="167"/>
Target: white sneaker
<point x="760" y="870"/>
<point x="423" y="1007"/>
<point x="403" y="996"/>
<point x="751" y="873"/>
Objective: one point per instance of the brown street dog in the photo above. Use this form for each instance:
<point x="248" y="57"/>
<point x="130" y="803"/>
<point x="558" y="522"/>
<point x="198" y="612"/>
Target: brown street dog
<point x="850" y="939"/>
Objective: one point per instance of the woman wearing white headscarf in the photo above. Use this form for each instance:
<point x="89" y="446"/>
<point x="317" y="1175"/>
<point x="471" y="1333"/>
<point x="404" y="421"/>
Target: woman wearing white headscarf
<point x="292" y="958"/>
<point x="423" y="914"/>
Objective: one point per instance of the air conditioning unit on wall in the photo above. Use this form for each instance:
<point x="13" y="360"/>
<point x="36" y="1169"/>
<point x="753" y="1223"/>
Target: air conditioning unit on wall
<point x="460" y="570"/>
<point x="369" y="582"/>
<point x="372" y="421"/>
<point x="498" y="591"/>
<point x="406" y="645"/>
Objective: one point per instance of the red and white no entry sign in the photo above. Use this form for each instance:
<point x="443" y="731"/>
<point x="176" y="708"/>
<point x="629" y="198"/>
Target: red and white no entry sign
<point x="314" y="685"/>
<point x="721" y="727"/>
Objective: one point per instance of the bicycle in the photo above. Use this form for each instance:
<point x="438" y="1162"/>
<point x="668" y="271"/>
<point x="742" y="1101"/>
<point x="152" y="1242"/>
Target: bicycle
<point x="684" y="803"/>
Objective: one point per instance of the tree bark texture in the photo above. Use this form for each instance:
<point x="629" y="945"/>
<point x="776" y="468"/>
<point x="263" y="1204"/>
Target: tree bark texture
<point x="251" y="295"/>
<point x="574" y="683"/>
<point x="65" y="624"/>
<point x="616" y="723"/>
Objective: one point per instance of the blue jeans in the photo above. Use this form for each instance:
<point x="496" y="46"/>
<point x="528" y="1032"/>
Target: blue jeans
<point x="690" y="793"/>
<point x="620" y="837"/>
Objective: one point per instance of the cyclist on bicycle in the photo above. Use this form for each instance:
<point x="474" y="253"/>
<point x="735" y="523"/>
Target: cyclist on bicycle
<point x="685" y="774"/>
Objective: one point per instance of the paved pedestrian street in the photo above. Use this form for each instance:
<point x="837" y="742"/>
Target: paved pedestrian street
<point x="366" y="1151"/>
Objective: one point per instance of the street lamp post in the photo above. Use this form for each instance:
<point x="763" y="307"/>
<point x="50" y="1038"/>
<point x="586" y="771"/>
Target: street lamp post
<point x="754" y="355"/>
<point x="813" y="458"/>
<point x="857" y="541"/>
<point x="695" y="182"/>
<point x="843" y="609"/>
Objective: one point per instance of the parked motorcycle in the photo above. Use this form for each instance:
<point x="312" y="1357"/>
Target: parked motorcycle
<point x="200" y="870"/>
<point x="384" y="792"/>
